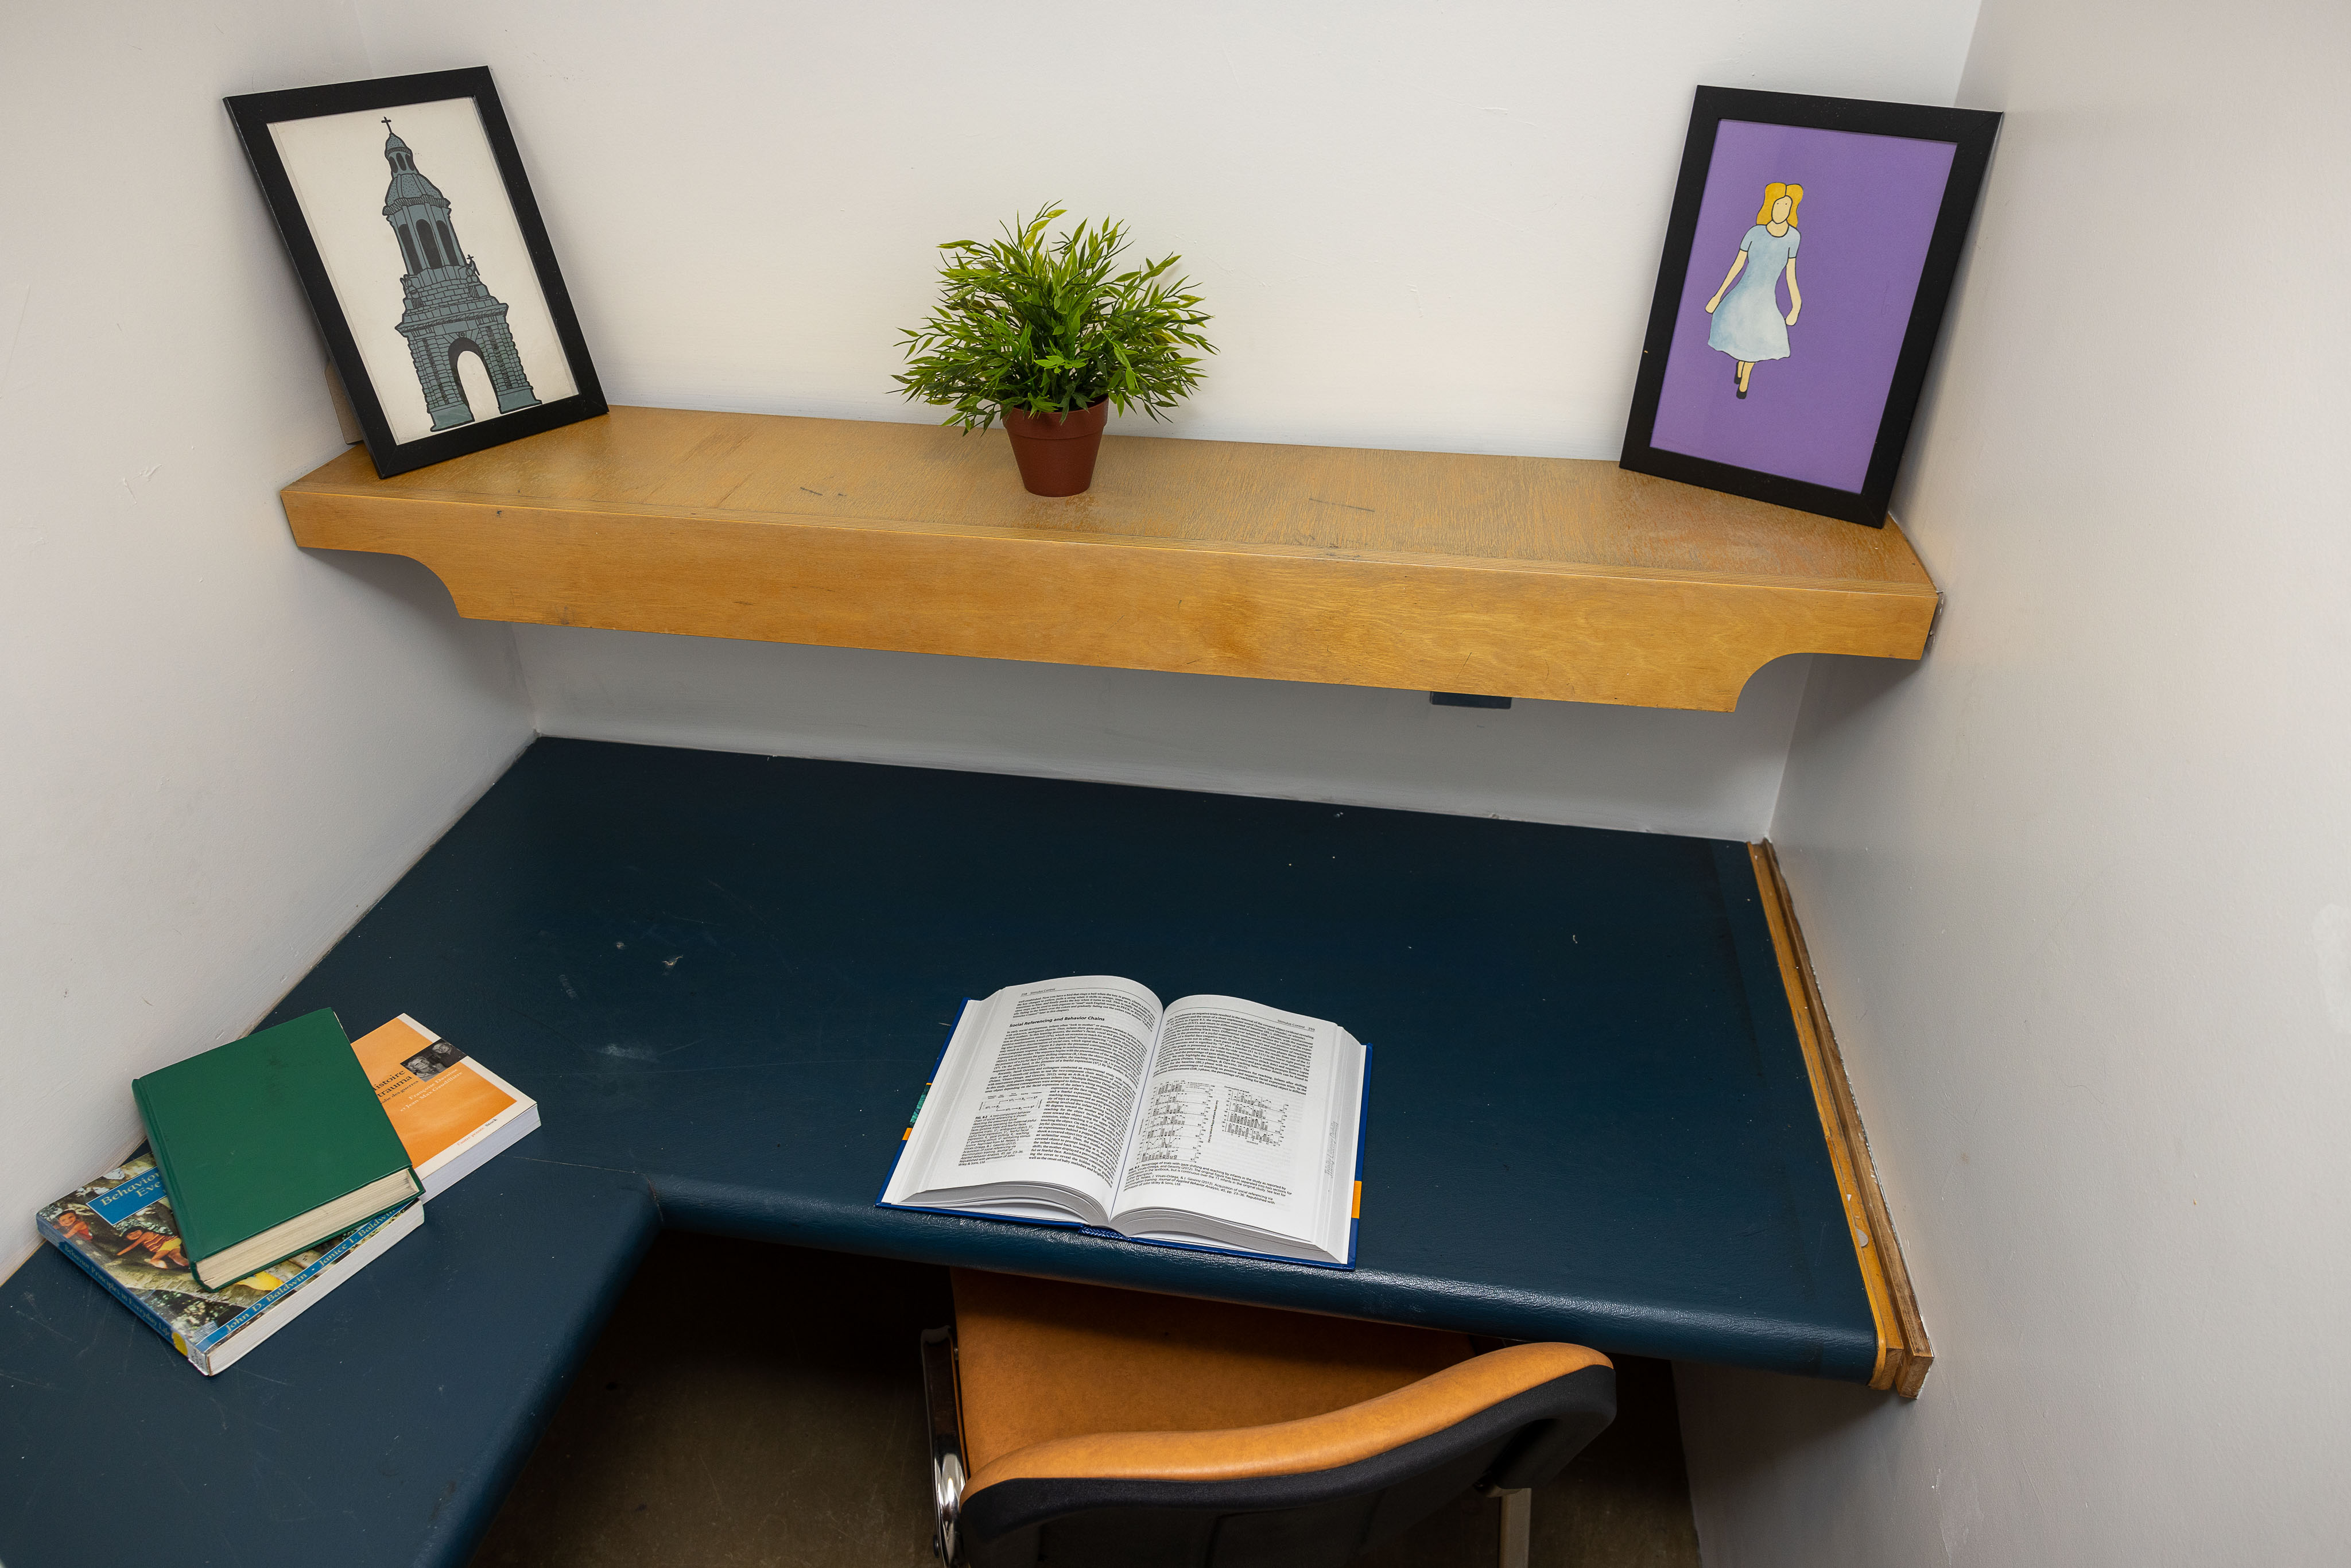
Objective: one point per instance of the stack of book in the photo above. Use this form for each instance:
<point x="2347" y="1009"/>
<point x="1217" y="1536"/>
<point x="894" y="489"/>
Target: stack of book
<point x="275" y="1168"/>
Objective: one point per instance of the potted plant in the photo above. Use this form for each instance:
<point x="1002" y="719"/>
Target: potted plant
<point x="1047" y="335"/>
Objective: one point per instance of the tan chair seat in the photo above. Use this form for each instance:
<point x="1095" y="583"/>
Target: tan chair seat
<point x="1041" y="1360"/>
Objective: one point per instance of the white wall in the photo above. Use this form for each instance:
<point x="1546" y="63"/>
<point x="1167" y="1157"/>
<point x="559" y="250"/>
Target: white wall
<point x="2080" y="885"/>
<point x="1418" y="225"/>
<point x="216" y="751"/>
<point x="1705" y="773"/>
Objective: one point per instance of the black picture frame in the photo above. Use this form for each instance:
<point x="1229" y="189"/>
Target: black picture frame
<point x="254" y="113"/>
<point x="1970" y="133"/>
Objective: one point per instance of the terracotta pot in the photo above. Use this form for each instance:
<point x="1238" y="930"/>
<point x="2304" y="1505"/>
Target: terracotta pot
<point x="1056" y="451"/>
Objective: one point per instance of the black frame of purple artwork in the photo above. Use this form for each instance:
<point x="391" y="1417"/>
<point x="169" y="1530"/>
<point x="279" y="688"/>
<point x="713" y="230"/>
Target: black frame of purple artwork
<point x="253" y="113"/>
<point x="1970" y="133"/>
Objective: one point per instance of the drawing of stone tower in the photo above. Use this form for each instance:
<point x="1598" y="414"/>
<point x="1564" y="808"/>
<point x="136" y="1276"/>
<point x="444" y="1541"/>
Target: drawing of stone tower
<point x="450" y="310"/>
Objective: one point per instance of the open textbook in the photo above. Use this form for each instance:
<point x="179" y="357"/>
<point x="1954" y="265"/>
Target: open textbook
<point x="1211" y="1122"/>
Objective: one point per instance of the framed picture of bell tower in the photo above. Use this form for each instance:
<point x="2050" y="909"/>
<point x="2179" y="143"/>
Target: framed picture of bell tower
<point x="405" y="210"/>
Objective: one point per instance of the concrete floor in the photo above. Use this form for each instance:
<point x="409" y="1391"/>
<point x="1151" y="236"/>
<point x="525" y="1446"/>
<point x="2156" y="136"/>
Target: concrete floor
<point x="758" y="1406"/>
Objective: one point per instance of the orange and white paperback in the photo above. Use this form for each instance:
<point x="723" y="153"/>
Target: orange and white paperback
<point x="451" y="1113"/>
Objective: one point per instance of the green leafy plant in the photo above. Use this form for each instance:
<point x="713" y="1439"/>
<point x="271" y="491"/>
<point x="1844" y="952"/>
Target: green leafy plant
<point x="1050" y="327"/>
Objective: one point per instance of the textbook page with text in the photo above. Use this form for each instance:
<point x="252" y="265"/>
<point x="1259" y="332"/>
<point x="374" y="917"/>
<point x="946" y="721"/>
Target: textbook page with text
<point x="1209" y="1122"/>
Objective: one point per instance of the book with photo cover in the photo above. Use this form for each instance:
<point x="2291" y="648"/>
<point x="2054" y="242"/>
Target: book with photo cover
<point x="1212" y="1123"/>
<point x="118" y="1227"/>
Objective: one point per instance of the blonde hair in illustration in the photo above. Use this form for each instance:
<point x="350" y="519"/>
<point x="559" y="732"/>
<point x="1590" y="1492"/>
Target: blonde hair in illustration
<point x="1771" y="194"/>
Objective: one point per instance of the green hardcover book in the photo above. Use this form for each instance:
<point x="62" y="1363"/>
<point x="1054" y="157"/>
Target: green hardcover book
<point x="269" y="1144"/>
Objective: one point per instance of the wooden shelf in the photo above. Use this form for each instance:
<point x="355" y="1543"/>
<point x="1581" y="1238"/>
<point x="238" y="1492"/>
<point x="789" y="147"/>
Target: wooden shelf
<point x="1532" y="577"/>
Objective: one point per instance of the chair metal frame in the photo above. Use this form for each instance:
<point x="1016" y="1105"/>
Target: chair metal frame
<point x="942" y="1397"/>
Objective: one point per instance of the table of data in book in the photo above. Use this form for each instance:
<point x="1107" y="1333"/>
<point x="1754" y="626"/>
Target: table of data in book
<point x="1210" y="1122"/>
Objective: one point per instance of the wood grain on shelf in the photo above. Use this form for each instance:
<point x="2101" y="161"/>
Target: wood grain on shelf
<point x="1510" y="576"/>
<point x="1904" y="1353"/>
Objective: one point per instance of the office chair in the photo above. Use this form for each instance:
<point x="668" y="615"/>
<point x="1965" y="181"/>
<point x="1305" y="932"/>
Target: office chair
<point x="1091" y="1427"/>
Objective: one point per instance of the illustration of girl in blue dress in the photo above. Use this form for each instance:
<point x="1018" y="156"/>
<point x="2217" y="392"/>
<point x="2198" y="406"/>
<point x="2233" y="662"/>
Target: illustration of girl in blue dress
<point x="1747" y="325"/>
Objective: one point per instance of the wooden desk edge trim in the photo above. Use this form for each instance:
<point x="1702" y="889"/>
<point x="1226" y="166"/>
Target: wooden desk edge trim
<point x="1904" y="1353"/>
<point x="307" y="521"/>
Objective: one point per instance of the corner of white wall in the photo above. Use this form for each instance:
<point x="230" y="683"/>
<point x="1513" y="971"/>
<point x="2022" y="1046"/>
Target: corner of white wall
<point x="224" y="748"/>
<point x="2067" y="883"/>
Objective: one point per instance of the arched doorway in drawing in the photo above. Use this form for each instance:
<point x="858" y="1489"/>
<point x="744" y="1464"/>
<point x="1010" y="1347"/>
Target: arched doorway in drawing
<point x="440" y="348"/>
<point x="471" y="380"/>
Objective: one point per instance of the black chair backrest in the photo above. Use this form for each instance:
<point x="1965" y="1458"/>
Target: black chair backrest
<point x="1319" y="1519"/>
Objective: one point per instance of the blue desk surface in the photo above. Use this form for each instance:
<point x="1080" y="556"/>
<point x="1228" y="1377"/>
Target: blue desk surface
<point x="725" y="978"/>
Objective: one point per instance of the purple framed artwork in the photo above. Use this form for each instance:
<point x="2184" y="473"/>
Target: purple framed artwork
<point x="1809" y="255"/>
